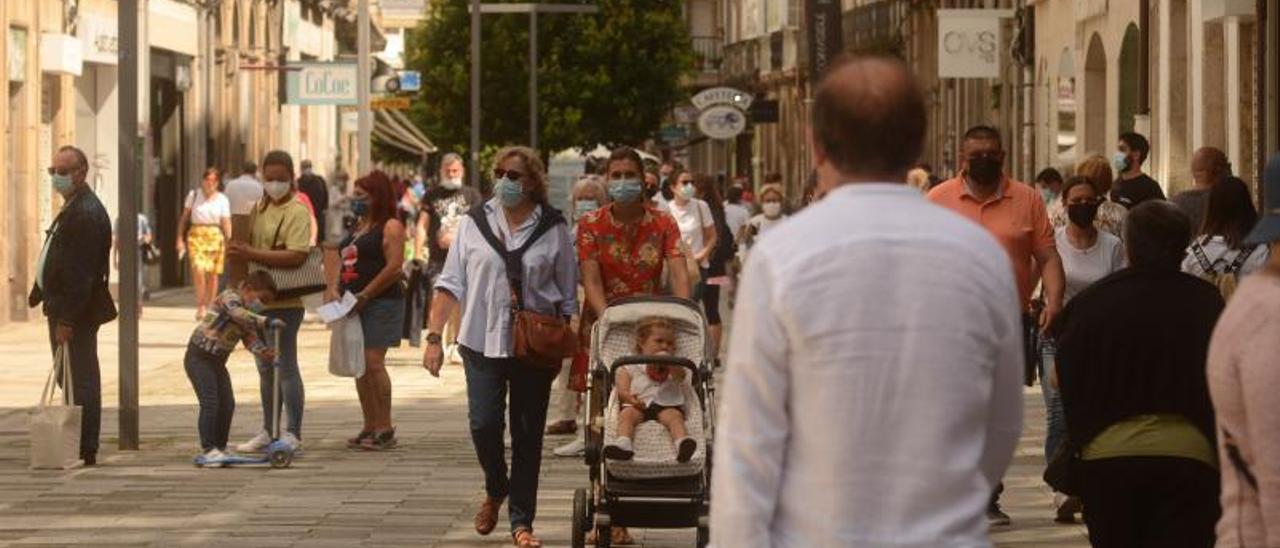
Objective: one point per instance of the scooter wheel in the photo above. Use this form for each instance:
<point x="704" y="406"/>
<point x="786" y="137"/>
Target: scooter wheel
<point x="281" y="458"/>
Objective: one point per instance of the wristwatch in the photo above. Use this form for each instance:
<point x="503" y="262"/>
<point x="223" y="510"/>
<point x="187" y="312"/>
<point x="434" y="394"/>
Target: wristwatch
<point x="433" y="338"/>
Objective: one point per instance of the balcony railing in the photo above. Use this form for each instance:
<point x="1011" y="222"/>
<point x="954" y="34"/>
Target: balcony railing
<point x="708" y="53"/>
<point x="741" y="59"/>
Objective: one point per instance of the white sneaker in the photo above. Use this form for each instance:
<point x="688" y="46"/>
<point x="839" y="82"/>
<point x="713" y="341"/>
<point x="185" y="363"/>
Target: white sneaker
<point x="453" y="355"/>
<point x="620" y="449"/>
<point x="292" y="440"/>
<point x="574" y="448"/>
<point x="258" y="443"/>
<point x="213" y="458"/>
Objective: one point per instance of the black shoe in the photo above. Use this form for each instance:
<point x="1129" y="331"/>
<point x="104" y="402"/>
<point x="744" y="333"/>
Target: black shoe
<point x="996" y="517"/>
<point x="90" y="459"/>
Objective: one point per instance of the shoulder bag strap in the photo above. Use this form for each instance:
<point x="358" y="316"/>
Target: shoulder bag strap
<point x="275" y="240"/>
<point x="1237" y="460"/>
<point x="1198" y="250"/>
<point x="1241" y="257"/>
<point x="513" y="260"/>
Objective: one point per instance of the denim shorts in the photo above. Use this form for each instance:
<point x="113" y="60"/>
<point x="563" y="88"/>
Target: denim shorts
<point x="382" y="321"/>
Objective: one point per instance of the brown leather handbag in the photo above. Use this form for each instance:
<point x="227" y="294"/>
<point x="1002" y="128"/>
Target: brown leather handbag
<point x="542" y="340"/>
<point x="537" y="339"/>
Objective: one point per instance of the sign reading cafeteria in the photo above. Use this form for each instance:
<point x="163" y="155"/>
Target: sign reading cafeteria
<point x="321" y="84"/>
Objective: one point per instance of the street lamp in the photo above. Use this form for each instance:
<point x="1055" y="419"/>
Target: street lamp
<point x="533" y="9"/>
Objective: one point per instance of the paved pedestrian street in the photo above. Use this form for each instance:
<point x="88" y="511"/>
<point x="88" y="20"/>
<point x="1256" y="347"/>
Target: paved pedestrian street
<point x="423" y="493"/>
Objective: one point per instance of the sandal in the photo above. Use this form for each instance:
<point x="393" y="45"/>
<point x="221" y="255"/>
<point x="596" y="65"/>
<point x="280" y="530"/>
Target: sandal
<point x="379" y="441"/>
<point x="620" y="535"/>
<point x="487" y="518"/>
<point x="524" y="539"/>
<point x="353" y="443"/>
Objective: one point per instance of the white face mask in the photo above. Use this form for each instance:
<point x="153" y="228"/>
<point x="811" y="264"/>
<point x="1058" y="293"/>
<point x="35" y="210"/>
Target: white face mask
<point x="772" y="209"/>
<point x="276" y="189"/>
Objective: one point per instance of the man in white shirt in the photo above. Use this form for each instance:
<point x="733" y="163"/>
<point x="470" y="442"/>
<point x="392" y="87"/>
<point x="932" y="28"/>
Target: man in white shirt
<point x="867" y="400"/>
<point x="736" y="215"/>
<point x="243" y="193"/>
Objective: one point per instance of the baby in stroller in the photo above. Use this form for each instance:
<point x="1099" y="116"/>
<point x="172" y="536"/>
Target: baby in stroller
<point x="652" y="392"/>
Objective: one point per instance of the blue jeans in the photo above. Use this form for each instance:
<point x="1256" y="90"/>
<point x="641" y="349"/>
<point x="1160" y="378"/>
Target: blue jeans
<point x="488" y="380"/>
<point x="86" y="381"/>
<point x="1055" y="419"/>
<point x="290" y="378"/>
<point x="209" y="378"/>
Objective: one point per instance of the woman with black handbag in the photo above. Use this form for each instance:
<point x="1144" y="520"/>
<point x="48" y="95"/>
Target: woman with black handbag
<point x="512" y="269"/>
<point x="281" y="239"/>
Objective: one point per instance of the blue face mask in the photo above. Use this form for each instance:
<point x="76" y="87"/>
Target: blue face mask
<point x="1119" y="162"/>
<point x="583" y="207"/>
<point x="510" y="193"/>
<point x="62" y="184"/>
<point x="1047" y="195"/>
<point x="255" y="306"/>
<point x="359" y="207"/>
<point x="625" y="190"/>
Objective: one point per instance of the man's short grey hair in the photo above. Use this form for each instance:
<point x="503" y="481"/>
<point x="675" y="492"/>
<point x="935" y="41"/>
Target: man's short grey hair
<point x="450" y="158"/>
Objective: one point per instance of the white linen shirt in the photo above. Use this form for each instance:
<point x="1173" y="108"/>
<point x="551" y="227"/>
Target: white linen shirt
<point x="475" y="274"/>
<point x="873" y="388"/>
<point x="243" y="193"/>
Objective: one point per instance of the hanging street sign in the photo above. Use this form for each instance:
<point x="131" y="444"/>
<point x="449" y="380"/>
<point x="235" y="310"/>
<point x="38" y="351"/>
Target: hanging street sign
<point x="410" y="80"/>
<point x="722" y="122"/>
<point x="722" y="96"/>
<point x="389" y="103"/>
<point x="321" y="83"/>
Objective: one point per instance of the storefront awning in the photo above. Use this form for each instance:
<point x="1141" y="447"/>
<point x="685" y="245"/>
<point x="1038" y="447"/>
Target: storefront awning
<point x="393" y="128"/>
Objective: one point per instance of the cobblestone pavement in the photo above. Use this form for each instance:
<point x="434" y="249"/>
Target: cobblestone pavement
<point x="422" y="494"/>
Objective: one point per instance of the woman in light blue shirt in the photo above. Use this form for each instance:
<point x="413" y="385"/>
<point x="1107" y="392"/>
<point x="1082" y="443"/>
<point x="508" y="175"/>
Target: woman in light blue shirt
<point x="475" y="276"/>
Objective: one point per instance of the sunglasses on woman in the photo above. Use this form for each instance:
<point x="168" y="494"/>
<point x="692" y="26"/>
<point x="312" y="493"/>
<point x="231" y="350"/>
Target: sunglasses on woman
<point x="499" y="173"/>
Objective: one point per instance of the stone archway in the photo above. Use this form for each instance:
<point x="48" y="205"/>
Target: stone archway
<point x="1095" y="97"/>
<point x="1127" y="90"/>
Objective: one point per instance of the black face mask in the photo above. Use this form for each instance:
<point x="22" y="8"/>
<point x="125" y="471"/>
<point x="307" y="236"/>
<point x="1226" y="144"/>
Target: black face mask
<point x="1082" y="215"/>
<point x="985" y="170"/>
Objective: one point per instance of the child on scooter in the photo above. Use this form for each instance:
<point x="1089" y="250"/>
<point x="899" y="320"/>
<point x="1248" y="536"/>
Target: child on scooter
<point x="652" y="392"/>
<point x="232" y="318"/>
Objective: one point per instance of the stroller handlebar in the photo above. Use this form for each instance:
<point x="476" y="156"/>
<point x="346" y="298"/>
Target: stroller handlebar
<point x="642" y="359"/>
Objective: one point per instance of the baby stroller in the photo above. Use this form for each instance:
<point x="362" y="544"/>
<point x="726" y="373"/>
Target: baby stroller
<point x="652" y="489"/>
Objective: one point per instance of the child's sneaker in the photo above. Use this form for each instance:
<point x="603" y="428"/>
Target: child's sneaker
<point x="212" y="458"/>
<point x="620" y="449"/>
<point x="685" y="447"/>
<point x="292" y="441"/>
<point x="257" y="444"/>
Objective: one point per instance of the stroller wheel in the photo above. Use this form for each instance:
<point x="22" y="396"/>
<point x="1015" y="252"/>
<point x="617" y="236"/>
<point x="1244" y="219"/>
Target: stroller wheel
<point x="704" y="536"/>
<point x="581" y="519"/>
<point x="604" y="531"/>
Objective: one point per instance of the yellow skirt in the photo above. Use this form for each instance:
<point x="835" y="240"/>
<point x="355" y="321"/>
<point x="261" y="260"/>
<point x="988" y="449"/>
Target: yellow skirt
<point x="207" y="247"/>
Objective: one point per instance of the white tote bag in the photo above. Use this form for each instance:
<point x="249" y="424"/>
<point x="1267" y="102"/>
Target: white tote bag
<point x="346" y="347"/>
<point x="55" y="429"/>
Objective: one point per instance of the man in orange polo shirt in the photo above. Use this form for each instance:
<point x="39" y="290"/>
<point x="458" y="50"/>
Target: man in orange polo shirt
<point x="1015" y="214"/>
